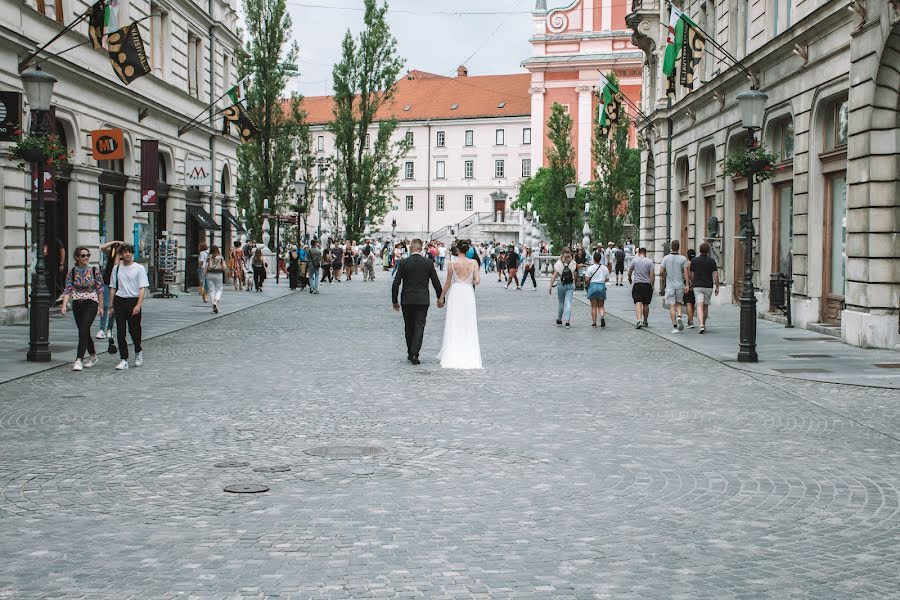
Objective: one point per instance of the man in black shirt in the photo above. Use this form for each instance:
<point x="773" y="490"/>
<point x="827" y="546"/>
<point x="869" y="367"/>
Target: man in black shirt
<point x="512" y="266"/>
<point x="704" y="277"/>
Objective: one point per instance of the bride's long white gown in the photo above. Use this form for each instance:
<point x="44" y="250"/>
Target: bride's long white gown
<point x="460" y="349"/>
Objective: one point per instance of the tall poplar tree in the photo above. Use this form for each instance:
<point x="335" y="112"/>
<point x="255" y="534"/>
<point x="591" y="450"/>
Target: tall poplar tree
<point x="555" y="213"/>
<point x="267" y="164"/>
<point x="365" y="82"/>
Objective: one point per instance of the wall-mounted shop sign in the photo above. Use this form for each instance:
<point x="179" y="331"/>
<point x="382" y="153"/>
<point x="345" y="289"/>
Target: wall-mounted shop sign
<point x="198" y="172"/>
<point x="10" y="115"/>
<point x="108" y="144"/>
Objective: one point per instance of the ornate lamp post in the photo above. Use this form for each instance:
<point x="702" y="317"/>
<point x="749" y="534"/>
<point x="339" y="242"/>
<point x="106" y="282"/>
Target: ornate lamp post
<point x="753" y="108"/>
<point x="586" y="230"/>
<point x="300" y="187"/>
<point x="265" y="229"/>
<point x="571" y="190"/>
<point x="38" y="86"/>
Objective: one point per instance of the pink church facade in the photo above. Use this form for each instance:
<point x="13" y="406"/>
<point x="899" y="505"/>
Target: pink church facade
<point x="571" y="46"/>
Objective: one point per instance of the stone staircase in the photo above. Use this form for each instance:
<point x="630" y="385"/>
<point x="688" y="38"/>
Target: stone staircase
<point x="483" y="226"/>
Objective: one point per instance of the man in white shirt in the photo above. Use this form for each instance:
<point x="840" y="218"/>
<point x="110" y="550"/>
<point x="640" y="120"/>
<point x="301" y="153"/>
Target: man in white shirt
<point x="442" y="256"/>
<point x="128" y="286"/>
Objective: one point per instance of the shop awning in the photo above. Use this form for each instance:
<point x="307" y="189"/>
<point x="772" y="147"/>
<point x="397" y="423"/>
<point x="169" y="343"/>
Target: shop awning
<point x="203" y="218"/>
<point x="230" y="218"/>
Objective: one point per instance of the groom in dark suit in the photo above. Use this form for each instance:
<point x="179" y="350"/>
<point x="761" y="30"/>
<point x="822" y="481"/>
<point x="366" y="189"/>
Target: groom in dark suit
<point x="414" y="273"/>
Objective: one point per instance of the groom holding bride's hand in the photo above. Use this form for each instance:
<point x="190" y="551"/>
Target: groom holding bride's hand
<point x="414" y="273"/>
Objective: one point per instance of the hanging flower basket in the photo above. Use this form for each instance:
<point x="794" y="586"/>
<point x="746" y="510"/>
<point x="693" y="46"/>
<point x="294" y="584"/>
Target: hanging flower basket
<point x="31" y="148"/>
<point x="755" y="158"/>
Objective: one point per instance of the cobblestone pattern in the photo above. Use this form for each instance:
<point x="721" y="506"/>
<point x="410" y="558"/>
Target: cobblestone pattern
<point x="590" y="463"/>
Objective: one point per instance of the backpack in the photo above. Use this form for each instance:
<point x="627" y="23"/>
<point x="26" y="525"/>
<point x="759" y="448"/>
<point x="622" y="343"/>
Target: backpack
<point x="566" y="276"/>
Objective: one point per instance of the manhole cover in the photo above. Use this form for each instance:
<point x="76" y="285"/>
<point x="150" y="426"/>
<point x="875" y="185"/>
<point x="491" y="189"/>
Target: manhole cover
<point x="271" y="469"/>
<point x="228" y="464"/>
<point x="247" y="488"/>
<point x="344" y="451"/>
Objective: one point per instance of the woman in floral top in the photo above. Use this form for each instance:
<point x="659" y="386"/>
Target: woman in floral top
<point x="84" y="285"/>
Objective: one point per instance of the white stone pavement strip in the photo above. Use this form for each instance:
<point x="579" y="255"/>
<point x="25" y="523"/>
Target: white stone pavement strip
<point x="580" y="463"/>
<point x="162" y="316"/>
<point x="796" y="353"/>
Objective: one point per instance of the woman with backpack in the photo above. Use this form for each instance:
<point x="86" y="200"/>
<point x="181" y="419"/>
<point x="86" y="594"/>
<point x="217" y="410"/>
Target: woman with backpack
<point x="595" y="278"/>
<point x="214" y="270"/>
<point x="566" y="270"/>
<point x="111" y="251"/>
<point x="260" y="266"/>
<point x="84" y="285"/>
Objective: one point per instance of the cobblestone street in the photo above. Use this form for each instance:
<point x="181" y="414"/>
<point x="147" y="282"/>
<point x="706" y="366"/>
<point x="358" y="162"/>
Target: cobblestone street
<point x="582" y="463"/>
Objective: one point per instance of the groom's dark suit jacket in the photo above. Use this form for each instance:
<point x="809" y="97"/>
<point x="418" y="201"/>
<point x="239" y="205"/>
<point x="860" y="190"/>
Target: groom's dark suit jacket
<point x="415" y="273"/>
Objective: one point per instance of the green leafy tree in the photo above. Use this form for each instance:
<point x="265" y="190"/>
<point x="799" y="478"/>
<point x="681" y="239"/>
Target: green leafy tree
<point x="307" y="171"/>
<point x="365" y="81"/>
<point x="618" y="184"/>
<point x="267" y="163"/>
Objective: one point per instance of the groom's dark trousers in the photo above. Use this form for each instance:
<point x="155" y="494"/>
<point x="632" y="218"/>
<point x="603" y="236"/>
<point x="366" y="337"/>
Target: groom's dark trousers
<point x="414" y="274"/>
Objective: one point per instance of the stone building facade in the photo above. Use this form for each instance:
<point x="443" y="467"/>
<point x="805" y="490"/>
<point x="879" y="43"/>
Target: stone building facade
<point x="830" y="215"/>
<point x="191" y="49"/>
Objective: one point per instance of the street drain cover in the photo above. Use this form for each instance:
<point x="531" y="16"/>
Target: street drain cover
<point x="231" y="464"/>
<point x="344" y="451"/>
<point x="271" y="469"/>
<point x="247" y="488"/>
<point x="810" y="355"/>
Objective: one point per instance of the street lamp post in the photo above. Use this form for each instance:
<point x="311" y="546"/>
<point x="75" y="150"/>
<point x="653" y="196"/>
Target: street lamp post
<point x="38" y="86"/>
<point x="753" y="106"/>
<point x="571" y="190"/>
<point x="300" y="187"/>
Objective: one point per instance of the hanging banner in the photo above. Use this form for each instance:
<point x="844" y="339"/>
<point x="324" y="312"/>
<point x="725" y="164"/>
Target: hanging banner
<point x="198" y="172"/>
<point x="49" y="175"/>
<point x="10" y="115"/>
<point x="108" y="144"/>
<point x="149" y="175"/>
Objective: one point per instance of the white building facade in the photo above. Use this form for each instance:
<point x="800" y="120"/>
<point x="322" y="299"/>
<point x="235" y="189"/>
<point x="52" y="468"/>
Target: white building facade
<point x="191" y="49"/>
<point x="830" y="215"/>
<point x="458" y="168"/>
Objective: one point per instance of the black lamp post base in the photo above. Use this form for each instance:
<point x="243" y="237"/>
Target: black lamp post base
<point x="747" y="348"/>
<point x="38" y="354"/>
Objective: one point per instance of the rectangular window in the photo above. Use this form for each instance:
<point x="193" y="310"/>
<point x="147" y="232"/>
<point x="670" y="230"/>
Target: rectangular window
<point x="526" y="136"/>
<point x="52" y="9"/>
<point x="367" y="141"/>
<point x="499" y="169"/>
<point x="500" y="137"/>
<point x="439" y="203"/>
<point x="409" y="203"/>
<point x="470" y="169"/>
<point x="526" y="167"/>
<point x="441" y="139"/>
<point x="410" y="171"/>
<point x="440" y="170"/>
<point x="469" y="203"/>
<point x="470" y="137"/>
<point x="194" y="60"/>
<point x="320" y="143"/>
<point x="410" y="139"/>
<point x="784" y="140"/>
<point x="836" y="125"/>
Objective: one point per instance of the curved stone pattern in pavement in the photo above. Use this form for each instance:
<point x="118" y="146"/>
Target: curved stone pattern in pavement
<point x="578" y="464"/>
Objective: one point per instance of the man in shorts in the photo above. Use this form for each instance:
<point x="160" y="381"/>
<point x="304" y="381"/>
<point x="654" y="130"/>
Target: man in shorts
<point x="675" y="271"/>
<point x="641" y="275"/>
<point x="620" y="264"/>
<point x="704" y="276"/>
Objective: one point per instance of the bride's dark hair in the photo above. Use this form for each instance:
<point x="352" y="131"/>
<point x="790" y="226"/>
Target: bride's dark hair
<point x="462" y="246"/>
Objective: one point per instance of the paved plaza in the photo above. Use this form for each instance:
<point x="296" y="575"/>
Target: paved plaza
<point x="582" y="463"/>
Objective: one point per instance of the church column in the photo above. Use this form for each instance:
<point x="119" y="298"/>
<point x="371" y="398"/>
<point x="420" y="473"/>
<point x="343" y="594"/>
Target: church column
<point x="537" y="126"/>
<point x="606" y="16"/>
<point x="585" y="119"/>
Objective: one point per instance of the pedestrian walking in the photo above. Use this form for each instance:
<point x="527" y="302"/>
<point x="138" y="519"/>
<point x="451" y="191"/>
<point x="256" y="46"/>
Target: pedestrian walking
<point x="596" y="277"/>
<point x="201" y="261"/>
<point x="675" y="272"/>
<point x="315" y="264"/>
<point x="337" y="262"/>
<point x="236" y="267"/>
<point x="260" y="266"/>
<point x="512" y="267"/>
<point x="84" y="285"/>
<point x="128" y="287"/>
<point x="326" y="264"/>
<point x="442" y="256"/>
<point x="629" y="253"/>
<point x="501" y="266"/>
<point x="110" y="251"/>
<point x="704" y="277"/>
<point x="641" y="276"/>
<point x="303" y="255"/>
<point x="214" y="271"/>
<point x="293" y="269"/>
<point x="528" y="267"/>
<point x="566" y="270"/>
<point x="349" y="261"/>
<point x="689" y="299"/>
<point x="620" y="264"/>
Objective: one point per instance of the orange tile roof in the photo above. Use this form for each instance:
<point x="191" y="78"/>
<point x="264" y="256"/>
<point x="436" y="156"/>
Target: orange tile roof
<point x="430" y="96"/>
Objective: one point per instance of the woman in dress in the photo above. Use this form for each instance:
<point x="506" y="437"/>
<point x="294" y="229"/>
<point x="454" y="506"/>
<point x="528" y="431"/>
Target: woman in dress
<point x="293" y="268"/>
<point x="215" y="276"/>
<point x="460" y="348"/>
<point x="349" y="261"/>
<point x="596" y="277"/>
<point x="566" y="270"/>
<point x="84" y="284"/>
<point x="236" y="266"/>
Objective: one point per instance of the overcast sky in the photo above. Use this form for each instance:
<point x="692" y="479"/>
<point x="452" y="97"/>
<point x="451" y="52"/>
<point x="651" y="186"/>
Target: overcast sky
<point x="437" y="43"/>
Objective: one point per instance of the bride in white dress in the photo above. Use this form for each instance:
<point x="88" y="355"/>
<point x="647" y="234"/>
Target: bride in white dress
<point x="460" y="349"/>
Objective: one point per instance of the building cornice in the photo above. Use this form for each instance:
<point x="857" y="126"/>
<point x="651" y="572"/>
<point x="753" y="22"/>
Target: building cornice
<point x="581" y="36"/>
<point x="446" y="121"/>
